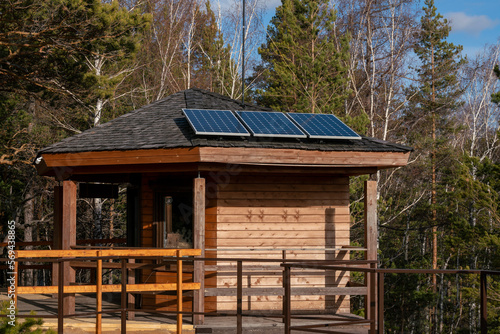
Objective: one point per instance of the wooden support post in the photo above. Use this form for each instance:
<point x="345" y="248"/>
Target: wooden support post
<point x="484" y="302"/>
<point x="239" y="297"/>
<point x="124" y="297"/>
<point x="371" y="238"/>
<point x="199" y="243"/>
<point x="130" y="296"/>
<point x="98" y="280"/>
<point x="179" y="292"/>
<point x="65" y="235"/>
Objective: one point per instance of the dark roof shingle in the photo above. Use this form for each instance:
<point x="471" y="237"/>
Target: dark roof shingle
<point x="162" y="125"/>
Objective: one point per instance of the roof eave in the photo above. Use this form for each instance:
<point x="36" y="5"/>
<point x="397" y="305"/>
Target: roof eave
<point x="62" y="165"/>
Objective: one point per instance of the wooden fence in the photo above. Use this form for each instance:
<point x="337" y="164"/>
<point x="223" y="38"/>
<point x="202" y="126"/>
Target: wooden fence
<point x="375" y="281"/>
<point x="124" y="255"/>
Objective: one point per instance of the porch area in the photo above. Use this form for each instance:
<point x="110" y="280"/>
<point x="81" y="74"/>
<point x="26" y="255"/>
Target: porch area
<point x="144" y="322"/>
<point x="111" y="309"/>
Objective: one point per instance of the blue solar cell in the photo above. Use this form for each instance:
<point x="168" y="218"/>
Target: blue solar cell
<point x="324" y="126"/>
<point x="270" y="124"/>
<point x="215" y="122"/>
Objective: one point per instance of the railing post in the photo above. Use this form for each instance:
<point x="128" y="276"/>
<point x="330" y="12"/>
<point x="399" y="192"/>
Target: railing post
<point x="179" y="292"/>
<point x="124" y="297"/>
<point x="16" y="280"/>
<point x="372" y="309"/>
<point x="239" y="297"/>
<point x="98" y="280"/>
<point x="380" y="302"/>
<point x="130" y="296"/>
<point x="60" y="297"/>
<point x="287" y="299"/>
<point x="484" y="302"/>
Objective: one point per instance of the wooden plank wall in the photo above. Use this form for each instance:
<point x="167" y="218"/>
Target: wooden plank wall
<point x="274" y="213"/>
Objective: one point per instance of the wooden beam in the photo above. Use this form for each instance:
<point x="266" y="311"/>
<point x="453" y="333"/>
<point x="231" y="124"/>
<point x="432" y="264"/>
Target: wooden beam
<point x="64" y="235"/>
<point x="64" y="164"/>
<point x="199" y="204"/>
<point x="107" y="158"/>
<point x="132" y="252"/>
<point x="235" y="155"/>
<point x="109" y="173"/>
<point x="371" y="242"/>
<point x="149" y="287"/>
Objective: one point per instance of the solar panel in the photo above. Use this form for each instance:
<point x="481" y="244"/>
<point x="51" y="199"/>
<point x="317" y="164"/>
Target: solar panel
<point x="270" y="124"/>
<point x="215" y="122"/>
<point x="325" y="126"/>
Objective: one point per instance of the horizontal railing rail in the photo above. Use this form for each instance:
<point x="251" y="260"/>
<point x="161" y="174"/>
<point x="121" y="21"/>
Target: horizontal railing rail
<point x="376" y="275"/>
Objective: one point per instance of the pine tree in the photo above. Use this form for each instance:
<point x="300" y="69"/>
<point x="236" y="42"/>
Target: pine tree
<point x="434" y="101"/>
<point x="305" y="59"/>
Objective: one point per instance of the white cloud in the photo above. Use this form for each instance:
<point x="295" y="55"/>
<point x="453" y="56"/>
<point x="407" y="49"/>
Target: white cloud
<point x="473" y="25"/>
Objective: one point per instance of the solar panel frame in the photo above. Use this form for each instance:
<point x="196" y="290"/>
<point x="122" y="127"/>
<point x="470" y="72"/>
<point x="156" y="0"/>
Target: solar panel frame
<point x="256" y="128"/>
<point x="226" y="118"/>
<point x="344" y="131"/>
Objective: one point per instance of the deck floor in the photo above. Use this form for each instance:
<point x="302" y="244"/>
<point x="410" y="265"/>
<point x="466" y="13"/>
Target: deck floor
<point x="155" y="323"/>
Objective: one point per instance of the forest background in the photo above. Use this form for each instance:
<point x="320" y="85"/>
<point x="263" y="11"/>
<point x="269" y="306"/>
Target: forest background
<point x="383" y="66"/>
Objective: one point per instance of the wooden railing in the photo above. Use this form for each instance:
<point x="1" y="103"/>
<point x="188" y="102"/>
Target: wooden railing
<point x="78" y="258"/>
<point x="376" y="277"/>
<point x="124" y="255"/>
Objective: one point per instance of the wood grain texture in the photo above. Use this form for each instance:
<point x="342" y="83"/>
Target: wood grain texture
<point x="280" y="212"/>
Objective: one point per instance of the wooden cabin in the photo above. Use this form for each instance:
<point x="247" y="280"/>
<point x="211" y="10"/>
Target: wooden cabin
<point x="252" y="197"/>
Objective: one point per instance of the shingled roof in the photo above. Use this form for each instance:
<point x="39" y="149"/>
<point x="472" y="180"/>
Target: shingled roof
<point x="163" y="125"/>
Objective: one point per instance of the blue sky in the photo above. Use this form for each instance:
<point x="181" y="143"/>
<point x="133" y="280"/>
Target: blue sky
<point x="474" y="22"/>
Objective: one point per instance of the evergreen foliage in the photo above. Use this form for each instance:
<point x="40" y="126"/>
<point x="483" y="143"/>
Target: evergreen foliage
<point x="43" y="42"/>
<point x="305" y="59"/>
<point x="28" y="326"/>
<point x="495" y="98"/>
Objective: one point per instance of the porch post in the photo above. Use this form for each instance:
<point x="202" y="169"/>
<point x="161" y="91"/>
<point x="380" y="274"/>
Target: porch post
<point x="65" y="235"/>
<point x="371" y="237"/>
<point x="199" y="242"/>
